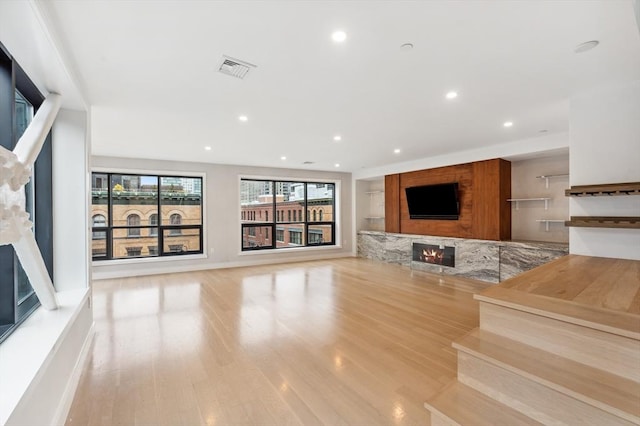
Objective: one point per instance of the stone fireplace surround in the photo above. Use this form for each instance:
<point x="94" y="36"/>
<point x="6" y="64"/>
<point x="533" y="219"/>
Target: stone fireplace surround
<point x="485" y="260"/>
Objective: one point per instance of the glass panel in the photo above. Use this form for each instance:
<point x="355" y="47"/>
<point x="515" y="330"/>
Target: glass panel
<point x="24" y="115"/>
<point x="320" y="234"/>
<point x="187" y="241"/>
<point x="320" y="202"/>
<point x="127" y="244"/>
<point x="132" y="196"/>
<point x="181" y="196"/>
<point x="256" y="201"/>
<point x="99" y="244"/>
<point x="256" y="236"/>
<point x="289" y="201"/>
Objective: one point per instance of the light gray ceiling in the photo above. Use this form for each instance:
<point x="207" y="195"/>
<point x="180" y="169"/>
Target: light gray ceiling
<point x="149" y="70"/>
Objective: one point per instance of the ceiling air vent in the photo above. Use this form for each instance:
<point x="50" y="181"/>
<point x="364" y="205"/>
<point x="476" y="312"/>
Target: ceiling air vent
<point x="309" y="162"/>
<point x="234" y="67"/>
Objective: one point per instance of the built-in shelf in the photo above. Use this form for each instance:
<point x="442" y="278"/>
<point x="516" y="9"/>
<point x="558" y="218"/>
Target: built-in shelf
<point x="547" y="177"/>
<point x="548" y="221"/>
<point x="374" y="192"/>
<point x="519" y="200"/>
<point x="374" y="217"/>
<point x="629" y="188"/>
<point x="604" y="221"/>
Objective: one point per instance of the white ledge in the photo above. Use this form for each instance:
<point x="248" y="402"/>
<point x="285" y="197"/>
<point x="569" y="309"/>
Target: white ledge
<point x="28" y="350"/>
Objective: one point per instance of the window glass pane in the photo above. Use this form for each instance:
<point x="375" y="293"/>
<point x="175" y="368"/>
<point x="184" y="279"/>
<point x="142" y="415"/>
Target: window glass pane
<point x="132" y="196"/>
<point x="181" y="196"/>
<point x="320" y="234"/>
<point x="289" y="200"/>
<point x="24" y="115"/>
<point x="256" y="236"/>
<point x="128" y="241"/>
<point x="256" y="201"/>
<point x="320" y="202"/>
<point x="188" y="241"/>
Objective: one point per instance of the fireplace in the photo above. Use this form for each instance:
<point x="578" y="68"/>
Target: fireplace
<point x="436" y="255"/>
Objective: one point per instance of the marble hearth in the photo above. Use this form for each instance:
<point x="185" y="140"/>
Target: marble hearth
<point x="490" y="261"/>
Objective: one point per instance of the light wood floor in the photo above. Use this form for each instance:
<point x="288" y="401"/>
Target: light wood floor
<point x="348" y="341"/>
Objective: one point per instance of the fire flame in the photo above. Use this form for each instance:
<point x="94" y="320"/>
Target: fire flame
<point x="432" y="255"/>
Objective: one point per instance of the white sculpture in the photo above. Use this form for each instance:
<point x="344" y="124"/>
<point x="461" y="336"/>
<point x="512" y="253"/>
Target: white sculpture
<point x="15" y="226"/>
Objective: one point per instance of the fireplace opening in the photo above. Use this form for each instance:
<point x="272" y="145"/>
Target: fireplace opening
<point x="433" y="254"/>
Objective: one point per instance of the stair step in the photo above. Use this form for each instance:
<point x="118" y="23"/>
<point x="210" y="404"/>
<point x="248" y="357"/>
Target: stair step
<point x="606" y="391"/>
<point x="599" y="349"/>
<point x="611" y="321"/>
<point x="460" y="405"/>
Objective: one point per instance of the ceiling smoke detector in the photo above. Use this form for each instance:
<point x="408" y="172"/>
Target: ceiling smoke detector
<point x="308" y="162"/>
<point x="234" y="67"/>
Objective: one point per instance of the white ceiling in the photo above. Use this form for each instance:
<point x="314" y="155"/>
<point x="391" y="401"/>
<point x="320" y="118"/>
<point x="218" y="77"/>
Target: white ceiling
<point x="149" y="70"/>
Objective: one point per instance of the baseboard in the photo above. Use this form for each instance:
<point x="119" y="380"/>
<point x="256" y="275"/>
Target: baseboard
<point x="72" y="385"/>
<point x="155" y="270"/>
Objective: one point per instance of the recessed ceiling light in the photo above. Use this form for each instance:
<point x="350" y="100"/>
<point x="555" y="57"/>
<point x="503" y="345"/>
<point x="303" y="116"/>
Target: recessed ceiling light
<point x="337" y="138"/>
<point x="283" y="158"/>
<point x="339" y="36"/>
<point x="587" y="45"/>
<point x="337" y="165"/>
<point x="243" y="118"/>
<point x="406" y="47"/>
<point x="508" y="124"/>
<point x="207" y="148"/>
<point x="451" y="95"/>
<point x="396" y="151"/>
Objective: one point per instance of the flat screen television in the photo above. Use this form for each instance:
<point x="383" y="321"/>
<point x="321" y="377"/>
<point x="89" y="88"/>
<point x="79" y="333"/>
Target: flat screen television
<point x="434" y="201"/>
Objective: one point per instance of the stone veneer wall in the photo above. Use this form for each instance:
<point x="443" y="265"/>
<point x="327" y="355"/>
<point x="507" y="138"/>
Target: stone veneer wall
<point x="490" y="261"/>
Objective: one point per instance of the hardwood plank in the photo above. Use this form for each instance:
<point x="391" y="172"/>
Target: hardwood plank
<point x="347" y="341"/>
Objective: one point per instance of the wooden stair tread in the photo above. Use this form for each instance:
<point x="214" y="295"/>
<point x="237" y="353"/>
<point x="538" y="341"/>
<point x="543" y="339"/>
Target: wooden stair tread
<point x="615" y="322"/>
<point x="609" y="392"/>
<point x="466" y="406"/>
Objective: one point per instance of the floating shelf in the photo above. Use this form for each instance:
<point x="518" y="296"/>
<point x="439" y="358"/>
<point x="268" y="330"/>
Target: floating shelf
<point x="604" y="221"/>
<point x="374" y="192"/>
<point x="518" y="200"/>
<point x="629" y="188"/>
<point x="547" y="177"/>
<point x="548" y="221"/>
<point x="374" y="217"/>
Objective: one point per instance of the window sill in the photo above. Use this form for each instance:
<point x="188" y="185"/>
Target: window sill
<point x="125" y="261"/>
<point x="29" y="347"/>
<point x="300" y="249"/>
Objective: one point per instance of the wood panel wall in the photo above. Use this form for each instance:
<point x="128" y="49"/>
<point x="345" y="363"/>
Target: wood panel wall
<point x="484" y="187"/>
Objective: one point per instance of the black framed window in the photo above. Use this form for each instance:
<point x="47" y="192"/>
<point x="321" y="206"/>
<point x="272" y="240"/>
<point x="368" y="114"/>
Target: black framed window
<point x="145" y="215"/>
<point x="283" y="204"/>
<point x="19" y="101"/>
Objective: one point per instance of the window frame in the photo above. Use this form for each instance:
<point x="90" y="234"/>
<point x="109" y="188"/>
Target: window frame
<point x="159" y="227"/>
<point x="305" y="222"/>
<point x="13" y="311"/>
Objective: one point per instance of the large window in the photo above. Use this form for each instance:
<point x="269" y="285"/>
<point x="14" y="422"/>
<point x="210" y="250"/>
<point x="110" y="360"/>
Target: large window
<point x="19" y="101"/>
<point x="280" y="206"/>
<point x="126" y="222"/>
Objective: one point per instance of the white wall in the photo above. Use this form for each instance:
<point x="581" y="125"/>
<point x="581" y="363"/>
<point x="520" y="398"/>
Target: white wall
<point x="369" y="205"/>
<point x="70" y="200"/>
<point x="605" y="148"/>
<point x="524" y="184"/>
<point x="222" y="220"/>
